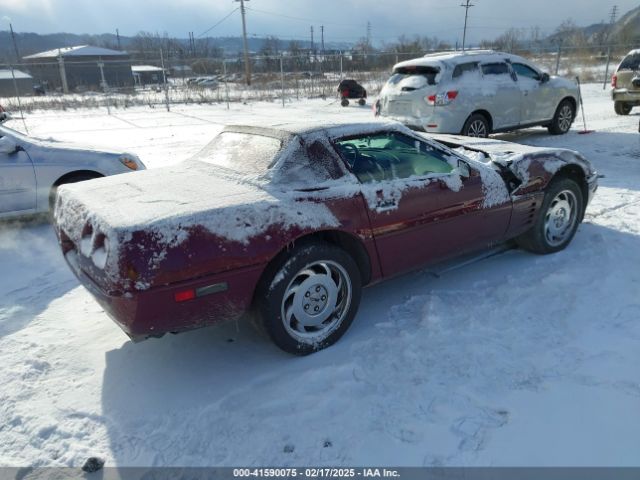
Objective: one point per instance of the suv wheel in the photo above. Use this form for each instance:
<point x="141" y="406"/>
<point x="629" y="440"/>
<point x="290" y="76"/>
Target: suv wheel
<point x="622" y="108"/>
<point x="563" y="118"/>
<point x="476" y="126"/>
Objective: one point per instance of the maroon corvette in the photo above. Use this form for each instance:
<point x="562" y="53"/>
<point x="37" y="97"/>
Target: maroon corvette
<point x="289" y="223"/>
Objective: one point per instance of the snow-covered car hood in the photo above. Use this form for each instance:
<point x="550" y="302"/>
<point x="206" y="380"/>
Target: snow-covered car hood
<point x="51" y="146"/>
<point x="562" y="82"/>
<point x="489" y="145"/>
<point x="503" y="152"/>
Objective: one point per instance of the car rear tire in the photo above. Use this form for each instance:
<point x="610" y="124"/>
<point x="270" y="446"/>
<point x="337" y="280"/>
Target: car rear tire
<point x="559" y="217"/>
<point x="308" y="300"/>
<point x="563" y="118"/>
<point x="476" y="126"/>
<point x="362" y="102"/>
<point x="622" y="108"/>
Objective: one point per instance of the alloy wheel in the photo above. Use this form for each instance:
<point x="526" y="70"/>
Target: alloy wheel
<point x="316" y="301"/>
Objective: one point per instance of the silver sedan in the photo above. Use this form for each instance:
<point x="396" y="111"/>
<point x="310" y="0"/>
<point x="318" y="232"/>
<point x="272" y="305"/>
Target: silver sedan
<point x="31" y="170"/>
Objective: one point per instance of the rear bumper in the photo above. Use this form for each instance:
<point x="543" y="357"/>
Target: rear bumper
<point x="441" y="121"/>
<point x="625" y="95"/>
<point x="154" y="312"/>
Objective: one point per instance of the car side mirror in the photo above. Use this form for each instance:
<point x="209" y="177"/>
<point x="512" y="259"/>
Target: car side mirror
<point x="8" y="146"/>
<point x="463" y="168"/>
<point x="545" y="78"/>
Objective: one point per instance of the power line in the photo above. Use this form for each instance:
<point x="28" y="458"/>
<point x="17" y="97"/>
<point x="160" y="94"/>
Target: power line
<point x="227" y="16"/>
<point x="466" y="6"/>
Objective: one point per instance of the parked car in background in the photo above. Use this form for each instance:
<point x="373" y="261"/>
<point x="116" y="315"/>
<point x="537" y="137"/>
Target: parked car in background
<point x="625" y="84"/>
<point x="208" y="83"/>
<point x="292" y="222"/>
<point x="31" y="170"/>
<point x="350" y="89"/>
<point x="476" y="93"/>
<point x="3" y="114"/>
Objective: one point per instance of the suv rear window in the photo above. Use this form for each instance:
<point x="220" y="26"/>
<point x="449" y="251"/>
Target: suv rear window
<point x="630" y="62"/>
<point x="428" y="72"/>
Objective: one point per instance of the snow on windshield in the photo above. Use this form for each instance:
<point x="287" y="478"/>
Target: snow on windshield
<point x="241" y="152"/>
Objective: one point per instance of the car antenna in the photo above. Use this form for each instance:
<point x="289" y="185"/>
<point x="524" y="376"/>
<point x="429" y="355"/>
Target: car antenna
<point x="584" y="120"/>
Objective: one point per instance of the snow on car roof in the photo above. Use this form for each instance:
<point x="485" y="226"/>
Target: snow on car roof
<point x="455" y="58"/>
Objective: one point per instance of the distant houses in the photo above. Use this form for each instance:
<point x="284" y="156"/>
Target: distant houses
<point x="23" y="82"/>
<point x="83" y="67"/>
<point x="147" y="74"/>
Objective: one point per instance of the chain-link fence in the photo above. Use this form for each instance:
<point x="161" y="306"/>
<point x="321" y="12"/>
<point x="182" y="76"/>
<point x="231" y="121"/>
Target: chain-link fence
<point x="114" y="84"/>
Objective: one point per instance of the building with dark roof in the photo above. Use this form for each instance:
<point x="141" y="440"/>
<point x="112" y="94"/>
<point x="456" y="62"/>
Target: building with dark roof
<point x="81" y="68"/>
<point x="23" y="82"/>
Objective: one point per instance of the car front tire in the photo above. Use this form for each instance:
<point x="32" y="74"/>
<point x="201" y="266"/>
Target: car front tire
<point x="476" y="126"/>
<point x="622" y="108"/>
<point x="563" y="118"/>
<point x="309" y="299"/>
<point x="560" y="214"/>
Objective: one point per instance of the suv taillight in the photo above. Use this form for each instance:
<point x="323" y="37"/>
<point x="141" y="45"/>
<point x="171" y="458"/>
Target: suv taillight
<point x="614" y="81"/>
<point x="442" y="98"/>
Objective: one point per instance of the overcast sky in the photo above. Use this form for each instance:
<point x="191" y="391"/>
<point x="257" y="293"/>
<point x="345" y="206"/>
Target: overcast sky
<point x="343" y="20"/>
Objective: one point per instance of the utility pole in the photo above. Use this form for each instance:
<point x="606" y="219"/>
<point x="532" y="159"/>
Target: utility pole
<point x="15" y="45"/>
<point x="322" y="38"/>
<point x="105" y="87"/>
<point x="368" y="36"/>
<point x="612" y="21"/>
<point x="63" y="73"/>
<point x="312" y="47"/>
<point x="118" y="37"/>
<point x="613" y="14"/>
<point x="466" y="6"/>
<point x="247" y="65"/>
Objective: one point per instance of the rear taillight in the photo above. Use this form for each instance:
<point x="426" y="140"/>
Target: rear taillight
<point x="184" y="295"/>
<point x="442" y="98"/>
<point x="614" y="81"/>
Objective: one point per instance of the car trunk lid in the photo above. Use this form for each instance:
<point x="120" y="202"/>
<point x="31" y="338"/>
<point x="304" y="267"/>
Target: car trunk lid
<point x="163" y="225"/>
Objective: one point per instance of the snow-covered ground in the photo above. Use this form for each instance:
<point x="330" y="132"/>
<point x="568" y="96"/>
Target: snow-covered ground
<point x="515" y="359"/>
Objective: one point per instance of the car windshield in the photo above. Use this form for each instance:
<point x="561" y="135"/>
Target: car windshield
<point x="241" y="152"/>
<point x="428" y="73"/>
<point x="630" y="62"/>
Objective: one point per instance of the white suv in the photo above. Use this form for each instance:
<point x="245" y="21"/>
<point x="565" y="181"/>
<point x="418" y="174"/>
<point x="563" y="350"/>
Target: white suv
<point x="476" y="93"/>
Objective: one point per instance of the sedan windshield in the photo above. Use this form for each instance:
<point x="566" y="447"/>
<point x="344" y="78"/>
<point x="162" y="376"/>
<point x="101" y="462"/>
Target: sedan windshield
<point x="241" y="152"/>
